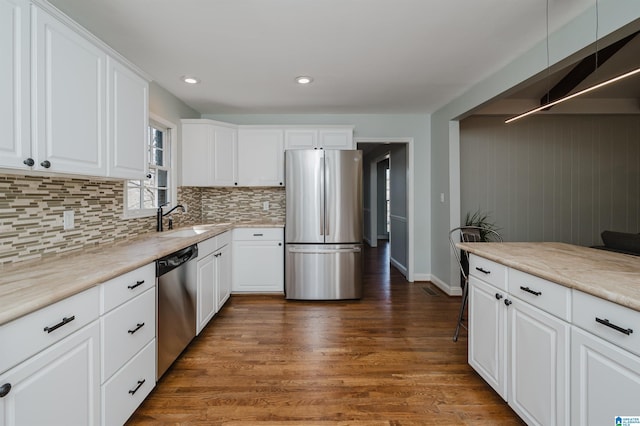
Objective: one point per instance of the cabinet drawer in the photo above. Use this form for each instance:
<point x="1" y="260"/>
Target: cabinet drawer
<point x="488" y="271"/>
<point x="126" y="390"/>
<point x="257" y="234"/>
<point x="224" y="239"/>
<point x="207" y="247"/>
<point x="126" y="329"/>
<point x="120" y="289"/>
<point x="32" y="333"/>
<point x="590" y="312"/>
<point x="546" y="295"/>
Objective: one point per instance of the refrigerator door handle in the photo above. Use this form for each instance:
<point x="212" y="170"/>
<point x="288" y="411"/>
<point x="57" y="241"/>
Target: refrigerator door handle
<point x="321" y="196"/>
<point x="325" y="251"/>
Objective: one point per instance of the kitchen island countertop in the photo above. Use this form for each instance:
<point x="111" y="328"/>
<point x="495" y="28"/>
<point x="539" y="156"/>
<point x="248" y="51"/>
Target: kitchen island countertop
<point x="608" y="275"/>
<point x="28" y="286"/>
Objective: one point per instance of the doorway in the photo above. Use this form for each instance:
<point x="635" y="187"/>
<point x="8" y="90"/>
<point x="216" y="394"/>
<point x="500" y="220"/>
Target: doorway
<point x="387" y="181"/>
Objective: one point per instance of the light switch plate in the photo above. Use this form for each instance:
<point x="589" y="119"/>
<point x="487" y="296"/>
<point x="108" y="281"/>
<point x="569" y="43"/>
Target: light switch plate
<point x="68" y="219"/>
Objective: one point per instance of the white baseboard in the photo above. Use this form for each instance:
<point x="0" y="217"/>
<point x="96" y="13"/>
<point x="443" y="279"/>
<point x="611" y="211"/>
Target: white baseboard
<point x="449" y="290"/>
<point x="399" y="266"/>
<point x="421" y="277"/>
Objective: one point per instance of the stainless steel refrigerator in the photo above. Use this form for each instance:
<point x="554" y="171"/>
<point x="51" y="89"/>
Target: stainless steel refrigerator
<point x="323" y="228"/>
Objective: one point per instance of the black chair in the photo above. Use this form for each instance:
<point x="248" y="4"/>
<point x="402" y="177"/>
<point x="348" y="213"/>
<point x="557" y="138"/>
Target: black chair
<point x="467" y="234"/>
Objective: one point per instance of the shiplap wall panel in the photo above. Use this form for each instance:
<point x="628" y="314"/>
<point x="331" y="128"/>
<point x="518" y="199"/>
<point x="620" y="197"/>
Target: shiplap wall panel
<point x="553" y="178"/>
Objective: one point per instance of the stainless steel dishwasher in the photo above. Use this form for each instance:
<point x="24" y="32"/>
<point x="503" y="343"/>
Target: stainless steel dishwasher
<point x="176" y="305"/>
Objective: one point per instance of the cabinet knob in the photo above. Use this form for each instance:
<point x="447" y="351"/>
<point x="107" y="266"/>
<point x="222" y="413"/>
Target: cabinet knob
<point x="148" y="175"/>
<point x="5" y="389"/>
<point x="280" y="183"/>
<point x="498" y="296"/>
<point x="279" y="244"/>
<point x="235" y="183"/>
<point x="46" y="164"/>
<point x="507" y="302"/>
<point x="29" y="162"/>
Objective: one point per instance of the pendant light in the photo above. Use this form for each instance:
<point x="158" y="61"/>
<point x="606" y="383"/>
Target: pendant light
<point x="580" y="92"/>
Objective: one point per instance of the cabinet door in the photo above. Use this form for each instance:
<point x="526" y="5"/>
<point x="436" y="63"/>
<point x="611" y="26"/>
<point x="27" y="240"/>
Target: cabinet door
<point x="224" y="157"/>
<point x="260" y="157"/>
<point x="58" y="386"/>
<point x="336" y="139"/>
<point x="538" y="365"/>
<point x="300" y="138"/>
<point x="223" y="266"/>
<point x="15" y="144"/>
<point x="487" y="333"/>
<point x="258" y="266"/>
<point x="197" y="143"/>
<point x="605" y="380"/>
<point x="206" y="292"/>
<point x="70" y="99"/>
<point x="128" y="122"/>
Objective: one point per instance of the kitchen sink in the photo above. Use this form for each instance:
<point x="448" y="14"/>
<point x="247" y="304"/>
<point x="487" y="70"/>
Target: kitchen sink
<point x="192" y="231"/>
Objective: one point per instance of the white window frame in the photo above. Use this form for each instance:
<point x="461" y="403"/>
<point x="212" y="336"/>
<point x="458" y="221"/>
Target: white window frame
<point x="172" y="129"/>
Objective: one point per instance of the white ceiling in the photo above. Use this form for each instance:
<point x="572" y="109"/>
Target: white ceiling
<point x="366" y="56"/>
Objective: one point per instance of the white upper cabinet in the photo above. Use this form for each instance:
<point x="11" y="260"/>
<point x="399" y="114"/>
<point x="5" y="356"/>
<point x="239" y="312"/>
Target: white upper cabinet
<point x="128" y="120"/>
<point x="70" y="88"/>
<point x="260" y="157"/>
<point x="67" y="103"/>
<point x="301" y="138"/>
<point x="15" y="145"/>
<point x="307" y="137"/>
<point x="209" y="151"/>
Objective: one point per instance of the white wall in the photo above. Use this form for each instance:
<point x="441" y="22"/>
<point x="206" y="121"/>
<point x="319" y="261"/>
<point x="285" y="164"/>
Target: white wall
<point x="553" y="178"/>
<point x="569" y="40"/>
<point x="392" y="126"/>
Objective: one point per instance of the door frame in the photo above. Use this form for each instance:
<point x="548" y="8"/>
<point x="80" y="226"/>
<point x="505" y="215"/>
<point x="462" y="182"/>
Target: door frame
<point x="410" y="192"/>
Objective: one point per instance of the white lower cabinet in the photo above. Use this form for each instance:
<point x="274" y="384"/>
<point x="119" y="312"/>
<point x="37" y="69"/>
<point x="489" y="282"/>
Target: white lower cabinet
<point x="605" y="381"/>
<point x="223" y="267"/>
<point x="206" y="291"/>
<point x="213" y="278"/>
<point x="126" y="390"/>
<point x="487" y="333"/>
<point x="128" y="336"/>
<point x="258" y="260"/>
<point x="58" y="386"/>
<point x="605" y="361"/>
<point x="522" y="351"/>
<point x="539" y="372"/>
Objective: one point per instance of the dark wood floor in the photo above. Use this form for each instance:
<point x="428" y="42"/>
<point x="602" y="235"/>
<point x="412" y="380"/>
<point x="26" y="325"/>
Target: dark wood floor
<point x="387" y="359"/>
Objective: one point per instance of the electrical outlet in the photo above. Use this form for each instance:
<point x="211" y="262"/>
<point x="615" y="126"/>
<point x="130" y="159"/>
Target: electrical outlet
<point x="265" y="206"/>
<point x="442" y="197"/>
<point x="68" y="220"/>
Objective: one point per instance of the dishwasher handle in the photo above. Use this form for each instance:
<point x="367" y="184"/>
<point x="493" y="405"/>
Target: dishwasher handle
<point x="174" y="260"/>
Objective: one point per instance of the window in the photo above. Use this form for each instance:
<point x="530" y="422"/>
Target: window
<point x="142" y="197"/>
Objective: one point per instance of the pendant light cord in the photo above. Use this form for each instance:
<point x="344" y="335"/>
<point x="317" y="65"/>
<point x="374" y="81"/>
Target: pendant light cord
<point x="548" y="60"/>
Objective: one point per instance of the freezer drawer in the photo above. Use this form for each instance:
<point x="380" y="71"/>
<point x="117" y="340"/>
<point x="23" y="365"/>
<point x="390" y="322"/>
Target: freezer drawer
<point x="323" y="272"/>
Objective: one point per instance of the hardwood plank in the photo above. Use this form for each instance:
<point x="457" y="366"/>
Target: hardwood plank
<point x="387" y="359"/>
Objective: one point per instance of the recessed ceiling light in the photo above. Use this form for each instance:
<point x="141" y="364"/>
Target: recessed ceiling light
<point x="190" y="80"/>
<point x="304" y="79"/>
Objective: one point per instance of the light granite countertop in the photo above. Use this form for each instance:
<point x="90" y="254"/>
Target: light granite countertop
<point x="28" y="286"/>
<point x="608" y="275"/>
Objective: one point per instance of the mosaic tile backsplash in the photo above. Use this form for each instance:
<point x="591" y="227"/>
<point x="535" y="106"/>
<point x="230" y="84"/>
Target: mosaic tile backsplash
<point x="31" y="210"/>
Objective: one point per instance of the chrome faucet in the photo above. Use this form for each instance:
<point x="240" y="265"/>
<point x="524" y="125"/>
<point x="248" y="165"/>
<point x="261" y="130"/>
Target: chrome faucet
<point x="160" y="214"/>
